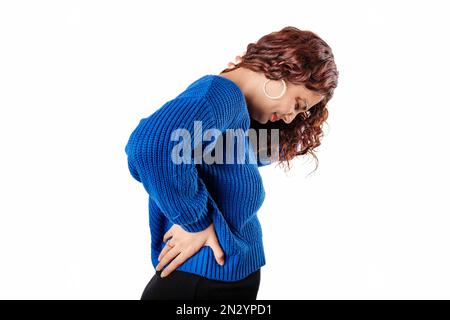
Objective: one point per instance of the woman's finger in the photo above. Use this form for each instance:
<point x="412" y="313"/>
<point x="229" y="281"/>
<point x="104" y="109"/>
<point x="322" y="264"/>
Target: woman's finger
<point x="164" y="251"/>
<point x="172" y="253"/>
<point x="178" y="261"/>
<point x="167" y="235"/>
<point x="217" y="250"/>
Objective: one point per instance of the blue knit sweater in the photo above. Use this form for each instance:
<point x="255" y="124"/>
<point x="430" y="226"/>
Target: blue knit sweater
<point x="194" y="195"/>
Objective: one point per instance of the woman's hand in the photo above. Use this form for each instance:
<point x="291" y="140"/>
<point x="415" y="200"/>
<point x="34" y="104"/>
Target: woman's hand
<point x="183" y="245"/>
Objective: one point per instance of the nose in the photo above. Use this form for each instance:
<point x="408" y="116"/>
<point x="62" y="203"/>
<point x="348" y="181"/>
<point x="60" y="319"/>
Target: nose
<point x="291" y="116"/>
<point x="288" y="118"/>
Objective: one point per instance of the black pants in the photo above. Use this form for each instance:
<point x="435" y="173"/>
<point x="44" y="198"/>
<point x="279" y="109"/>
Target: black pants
<point x="180" y="285"/>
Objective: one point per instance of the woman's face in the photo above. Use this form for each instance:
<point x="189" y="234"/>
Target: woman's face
<point x="295" y="100"/>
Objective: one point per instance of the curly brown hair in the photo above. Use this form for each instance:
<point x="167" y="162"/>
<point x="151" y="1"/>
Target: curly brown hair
<point x="300" y="57"/>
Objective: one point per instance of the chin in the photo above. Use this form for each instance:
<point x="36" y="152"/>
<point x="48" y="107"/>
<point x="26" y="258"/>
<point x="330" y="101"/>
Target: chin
<point x="261" y="122"/>
<point x="258" y="120"/>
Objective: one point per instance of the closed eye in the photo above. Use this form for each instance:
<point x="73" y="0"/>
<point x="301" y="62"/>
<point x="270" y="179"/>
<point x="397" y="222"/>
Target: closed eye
<point x="297" y="107"/>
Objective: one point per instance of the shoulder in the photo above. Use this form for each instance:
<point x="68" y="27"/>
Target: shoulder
<point x="215" y="89"/>
<point x="223" y="91"/>
<point x="228" y="102"/>
<point x="223" y="97"/>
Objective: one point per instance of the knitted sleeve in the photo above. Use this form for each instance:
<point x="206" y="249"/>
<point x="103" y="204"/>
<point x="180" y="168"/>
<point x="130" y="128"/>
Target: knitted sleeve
<point x="176" y="187"/>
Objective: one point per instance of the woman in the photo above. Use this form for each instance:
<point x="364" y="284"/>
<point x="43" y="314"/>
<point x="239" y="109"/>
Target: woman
<point x="206" y="236"/>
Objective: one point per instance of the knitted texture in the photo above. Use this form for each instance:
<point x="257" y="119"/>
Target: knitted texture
<point x="196" y="194"/>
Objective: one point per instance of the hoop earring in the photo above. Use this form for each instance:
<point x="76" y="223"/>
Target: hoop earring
<point x="272" y="97"/>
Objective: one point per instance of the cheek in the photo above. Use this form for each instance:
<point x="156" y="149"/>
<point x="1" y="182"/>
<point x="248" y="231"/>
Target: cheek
<point x="285" y="105"/>
<point x="283" y="109"/>
<point x="281" y="105"/>
<point x="268" y="107"/>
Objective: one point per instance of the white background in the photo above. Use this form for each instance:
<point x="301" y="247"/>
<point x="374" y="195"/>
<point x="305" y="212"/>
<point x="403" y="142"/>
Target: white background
<point x="76" y="76"/>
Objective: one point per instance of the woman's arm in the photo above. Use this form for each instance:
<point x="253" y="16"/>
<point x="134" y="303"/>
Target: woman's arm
<point x="175" y="187"/>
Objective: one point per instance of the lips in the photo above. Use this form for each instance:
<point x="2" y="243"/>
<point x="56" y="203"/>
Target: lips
<point x="274" y="117"/>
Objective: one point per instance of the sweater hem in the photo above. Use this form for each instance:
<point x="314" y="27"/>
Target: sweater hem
<point x="235" y="268"/>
